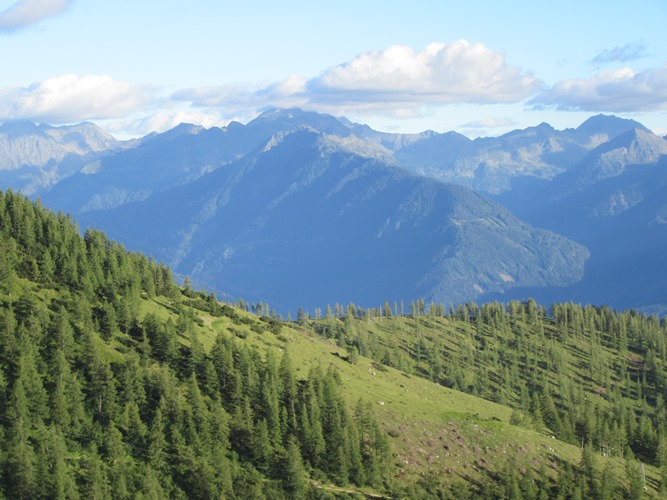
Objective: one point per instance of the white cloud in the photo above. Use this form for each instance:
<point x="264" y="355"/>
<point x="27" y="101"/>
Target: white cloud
<point x="616" y="91"/>
<point x="72" y="98"/>
<point x="441" y="73"/>
<point x="24" y="13"/>
<point x="236" y="98"/>
<point x="397" y="81"/>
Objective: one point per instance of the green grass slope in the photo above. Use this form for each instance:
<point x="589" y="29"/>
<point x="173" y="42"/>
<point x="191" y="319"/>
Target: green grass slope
<point x="447" y="440"/>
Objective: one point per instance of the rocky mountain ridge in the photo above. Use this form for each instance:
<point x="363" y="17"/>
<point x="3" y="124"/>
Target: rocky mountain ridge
<point x="584" y="183"/>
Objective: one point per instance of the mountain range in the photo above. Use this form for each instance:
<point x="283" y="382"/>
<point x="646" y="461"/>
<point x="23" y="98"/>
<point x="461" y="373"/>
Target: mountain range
<point x="303" y="209"/>
<point x="35" y="157"/>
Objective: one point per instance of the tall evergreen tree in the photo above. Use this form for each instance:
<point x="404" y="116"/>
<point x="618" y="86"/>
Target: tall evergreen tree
<point x="294" y="472"/>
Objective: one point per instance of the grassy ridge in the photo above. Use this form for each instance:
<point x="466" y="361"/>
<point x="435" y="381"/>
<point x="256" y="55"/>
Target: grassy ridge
<point x="446" y="435"/>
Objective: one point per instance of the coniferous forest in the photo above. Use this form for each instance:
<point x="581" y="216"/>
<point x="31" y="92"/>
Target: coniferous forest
<point x="102" y="401"/>
<point x="117" y="383"/>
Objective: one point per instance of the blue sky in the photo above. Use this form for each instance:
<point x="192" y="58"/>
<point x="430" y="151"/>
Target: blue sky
<point x="480" y="68"/>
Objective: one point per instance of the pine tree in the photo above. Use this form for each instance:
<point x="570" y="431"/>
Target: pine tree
<point x="262" y="449"/>
<point x="108" y="321"/>
<point x="157" y="444"/>
<point x="536" y="412"/>
<point x="288" y="395"/>
<point x="151" y="489"/>
<point x="59" y="481"/>
<point x="62" y="376"/>
<point x="635" y="489"/>
<point x="352" y="443"/>
<point x="588" y="470"/>
<point x="565" y="485"/>
<point x="8" y="260"/>
<point x="609" y="482"/>
<point x="96" y="486"/>
<point x="314" y="445"/>
<point x="21" y="461"/>
<point x="661" y="457"/>
<point x="117" y="462"/>
<point x="527" y="485"/>
<point x="295" y="479"/>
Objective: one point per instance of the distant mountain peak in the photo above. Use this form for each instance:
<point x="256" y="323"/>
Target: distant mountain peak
<point x="34" y="157"/>
<point x="306" y="136"/>
<point x="190" y="128"/>
<point x="641" y="142"/>
<point x="184" y="129"/>
<point x="294" y="115"/>
<point x="545" y="126"/>
<point x="293" y="118"/>
<point x="287" y="113"/>
<point x="609" y="125"/>
<point x="638" y="146"/>
<point x="278" y="138"/>
<point x="354" y="145"/>
<point x="19" y="128"/>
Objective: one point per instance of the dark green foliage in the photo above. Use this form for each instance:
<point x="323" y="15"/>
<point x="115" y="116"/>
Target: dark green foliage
<point x="101" y="402"/>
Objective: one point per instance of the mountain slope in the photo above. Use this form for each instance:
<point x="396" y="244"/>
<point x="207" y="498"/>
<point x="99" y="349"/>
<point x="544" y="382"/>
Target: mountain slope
<point x="611" y="159"/>
<point x="633" y="243"/>
<point x="34" y="157"/>
<point x="312" y="219"/>
<point x="612" y="202"/>
<point x="160" y="161"/>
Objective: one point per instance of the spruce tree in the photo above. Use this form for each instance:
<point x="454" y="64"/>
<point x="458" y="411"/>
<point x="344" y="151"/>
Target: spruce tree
<point x="20" y="476"/>
<point x="635" y="488"/>
<point x="295" y="479"/>
<point x="588" y="472"/>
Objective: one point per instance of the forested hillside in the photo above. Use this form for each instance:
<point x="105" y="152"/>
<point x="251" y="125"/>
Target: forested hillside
<point x="116" y="383"/>
<point x="101" y="398"/>
<point x="583" y="374"/>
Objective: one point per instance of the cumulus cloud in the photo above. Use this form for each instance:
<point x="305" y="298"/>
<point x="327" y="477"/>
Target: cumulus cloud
<point x="443" y="73"/>
<point x="24" y="13"/>
<point x="617" y="91"/>
<point x="629" y="52"/>
<point x="398" y="81"/>
<point x="72" y="98"/>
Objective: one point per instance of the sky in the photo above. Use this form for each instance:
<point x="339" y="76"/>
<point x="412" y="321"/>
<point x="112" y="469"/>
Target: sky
<point x="481" y="68"/>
